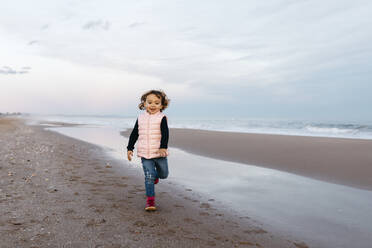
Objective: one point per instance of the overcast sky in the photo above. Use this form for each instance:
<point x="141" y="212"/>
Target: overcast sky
<point x="306" y="59"/>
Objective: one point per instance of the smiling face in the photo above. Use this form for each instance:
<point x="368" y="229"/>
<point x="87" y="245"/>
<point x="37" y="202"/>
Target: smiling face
<point x="153" y="104"/>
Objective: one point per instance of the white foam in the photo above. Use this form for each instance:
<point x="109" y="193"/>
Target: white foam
<point x="332" y="130"/>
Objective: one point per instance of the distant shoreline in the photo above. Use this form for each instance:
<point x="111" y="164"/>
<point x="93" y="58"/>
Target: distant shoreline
<point x="10" y="114"/>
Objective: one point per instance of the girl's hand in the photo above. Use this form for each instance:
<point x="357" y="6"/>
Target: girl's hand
<point x="130" y="154"/>
<point x="162" y="152"/>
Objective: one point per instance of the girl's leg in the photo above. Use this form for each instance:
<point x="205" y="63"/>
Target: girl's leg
<point x="161" y="165"/>
<point x="150" y="175"/>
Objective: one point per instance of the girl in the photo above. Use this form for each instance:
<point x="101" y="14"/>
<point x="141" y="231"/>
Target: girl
<point x="151" y="130"/>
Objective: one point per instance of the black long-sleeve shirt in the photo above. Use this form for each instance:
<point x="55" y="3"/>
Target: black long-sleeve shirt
<point x="164" y="135"/>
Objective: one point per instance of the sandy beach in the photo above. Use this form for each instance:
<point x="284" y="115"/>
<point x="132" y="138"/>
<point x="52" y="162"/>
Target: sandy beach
<point x="335" y="160"/>
<point x="57" y="191"/>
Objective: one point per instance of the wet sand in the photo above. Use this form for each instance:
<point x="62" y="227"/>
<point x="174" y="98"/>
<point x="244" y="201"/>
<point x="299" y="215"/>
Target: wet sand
<point x="319" y="213"/>
<point x="335" y="160"/>
<point x="57" y="191"/>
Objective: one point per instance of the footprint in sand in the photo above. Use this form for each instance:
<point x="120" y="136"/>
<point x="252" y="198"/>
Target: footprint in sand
<point x="75" y="178"/>
<point x="189" y="220"/>
<point x="211" y="243"/>
<point x="301" y="245"/>
<point x="115" y="205"/>
<point x="185" y="231"/>
<point x="205" y="205"/>
<point x="236" y="236"/>
<point x="97" y="190"/>
<point x="246" y="243"/>
<point x="70" y="211"/>
<point x="97" y="209"/>
<point x="171" y="231"/>
<point x="123" y="185"/>
<point x="33" y="221"/>
<point x="15" y="222"/>
<point x="94" y="222"/>
<point x="140" y="223"/>
<point x="255" y="231"/>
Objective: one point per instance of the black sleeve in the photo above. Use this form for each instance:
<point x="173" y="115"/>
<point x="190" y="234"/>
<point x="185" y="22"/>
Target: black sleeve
<point x="164" y="133"/>
<point x="133" y="137"/>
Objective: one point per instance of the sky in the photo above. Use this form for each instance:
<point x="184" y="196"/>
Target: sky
<point x="288" y="59"/>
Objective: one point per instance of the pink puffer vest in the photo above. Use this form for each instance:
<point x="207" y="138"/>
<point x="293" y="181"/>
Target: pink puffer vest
<point x="149" y="135"/>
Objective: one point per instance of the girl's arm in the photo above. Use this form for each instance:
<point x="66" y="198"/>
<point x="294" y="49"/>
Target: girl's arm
<point x="164" y="137"/>
<point x="132" y="140"/>
<point x="133" y="137"/>
<point x="164" y="133"/>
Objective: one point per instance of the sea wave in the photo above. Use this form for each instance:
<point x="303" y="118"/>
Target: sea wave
<point x="284" y="127"/>
<point x="331" y="130"/>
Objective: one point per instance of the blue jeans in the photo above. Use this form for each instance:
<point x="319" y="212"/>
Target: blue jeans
<point x="154" y="168"/>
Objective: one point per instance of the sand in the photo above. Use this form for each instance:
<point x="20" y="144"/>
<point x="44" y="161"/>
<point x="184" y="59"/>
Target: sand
<point x="335" y="160"/>
<point x="56" y="191"/>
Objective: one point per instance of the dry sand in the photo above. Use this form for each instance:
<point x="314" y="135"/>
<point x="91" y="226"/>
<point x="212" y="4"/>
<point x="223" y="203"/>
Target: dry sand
<point x="56" y="191"/>
<point x="335" y="160"/>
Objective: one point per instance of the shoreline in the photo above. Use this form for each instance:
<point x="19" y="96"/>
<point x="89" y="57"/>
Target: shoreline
<point x="335" y="160"/>
<point x="59" y="191"/>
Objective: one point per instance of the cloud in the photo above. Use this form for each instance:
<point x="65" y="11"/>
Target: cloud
<point x="98" y="24"/>
<point x="33" y="42"/>
<point x="44" y="27"/>
<point x="136" y="24"/>
<point x="9" y="70"/>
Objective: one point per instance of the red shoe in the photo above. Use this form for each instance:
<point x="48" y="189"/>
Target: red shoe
<point x="156" y="180"/>
<point x="150" y="203"/>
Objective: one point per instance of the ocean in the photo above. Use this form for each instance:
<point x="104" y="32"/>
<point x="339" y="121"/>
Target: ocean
<point x="245" y="125"/>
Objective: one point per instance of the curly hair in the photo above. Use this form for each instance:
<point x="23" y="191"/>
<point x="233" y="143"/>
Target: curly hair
<point x="160" y="94"/>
